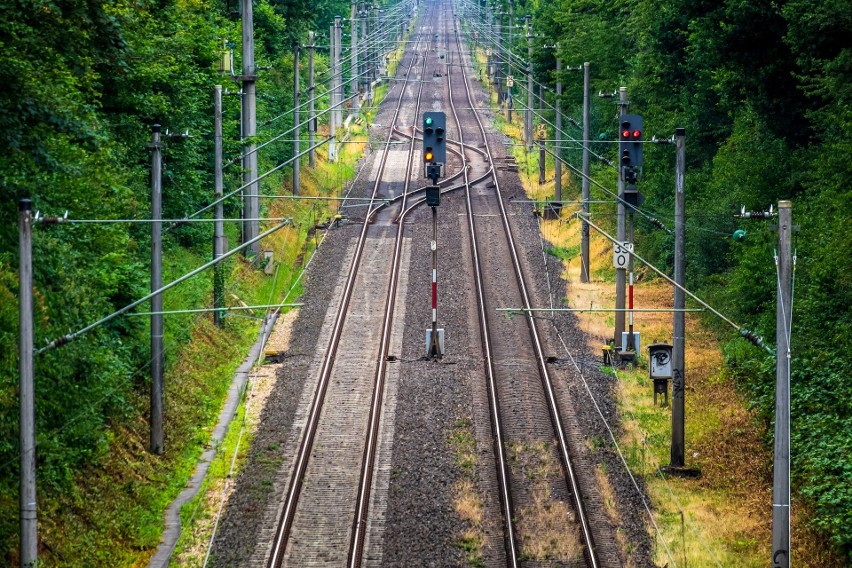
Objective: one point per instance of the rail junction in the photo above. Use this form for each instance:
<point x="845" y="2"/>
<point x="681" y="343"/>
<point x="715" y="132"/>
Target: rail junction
<point x="353" y="466"/>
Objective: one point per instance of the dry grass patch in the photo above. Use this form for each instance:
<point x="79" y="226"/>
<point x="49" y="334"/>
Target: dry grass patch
<point x="546" y="527"/>
<point x="466" y="498"/>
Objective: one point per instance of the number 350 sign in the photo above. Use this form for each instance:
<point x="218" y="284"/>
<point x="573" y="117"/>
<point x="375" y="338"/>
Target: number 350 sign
<point x="620" y="254"/>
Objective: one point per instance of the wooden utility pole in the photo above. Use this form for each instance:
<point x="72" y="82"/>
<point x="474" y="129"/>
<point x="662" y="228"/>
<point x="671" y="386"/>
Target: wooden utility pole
<point x="783" y="323"/>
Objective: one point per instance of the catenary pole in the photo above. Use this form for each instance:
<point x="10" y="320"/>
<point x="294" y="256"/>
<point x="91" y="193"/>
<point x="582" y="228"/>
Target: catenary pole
<point x="297" y="182"/>
<point x="338" y="40"/>
<point x="783" y="322"/>
<point x="528" y="113"/>
<point x="218" y="211"/>
<point x="509" y="100"/>
<point x="679" y="321"/>
<point x="557" y="164"/>
<point x="362" y="12"/>
<point x="620" y="273"/>
<point x="251" y="205"/>
<point x="157" y="299"/>
<point x="312" y="120"/>
<point x="332" y="94"/>
<point x="353" y="32"/>
<point x="29" y="526"/>
<point x="498" y="63"/>
<point x="584" y="229"/>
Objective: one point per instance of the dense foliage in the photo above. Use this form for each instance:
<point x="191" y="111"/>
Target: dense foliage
<point x="763" y="88"/>
<point x="764" y="91"/>
<point x="83" y="82"/>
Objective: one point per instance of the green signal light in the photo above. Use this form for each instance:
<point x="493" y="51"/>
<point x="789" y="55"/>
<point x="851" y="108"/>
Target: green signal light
<point x="429" y="121"/>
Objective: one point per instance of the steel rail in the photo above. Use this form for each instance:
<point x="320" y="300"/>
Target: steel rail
<point x="556" y="418"/>
<point x="362" y="502"/>
<point x="285" y="524"/>
<point x="510" y="541"/>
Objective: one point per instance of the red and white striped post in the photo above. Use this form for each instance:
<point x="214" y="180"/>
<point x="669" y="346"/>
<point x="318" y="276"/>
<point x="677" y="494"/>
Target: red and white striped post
<point x="435" y="343"/>
<point x="631" y="342"/>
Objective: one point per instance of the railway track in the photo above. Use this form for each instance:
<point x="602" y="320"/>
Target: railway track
<point x="511" y="367"/>
<point x="323" y="519"/>
<point x="311" y="529"/>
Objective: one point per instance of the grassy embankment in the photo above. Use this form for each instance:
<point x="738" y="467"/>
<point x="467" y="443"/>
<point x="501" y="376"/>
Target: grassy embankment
<point x="114" y="515"/>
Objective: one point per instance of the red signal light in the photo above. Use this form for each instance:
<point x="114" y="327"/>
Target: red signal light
<point x="625" y="134"/>
<point x="637" y="133"/>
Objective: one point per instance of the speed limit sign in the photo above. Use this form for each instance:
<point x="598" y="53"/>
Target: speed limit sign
<point x="620" y="254"/>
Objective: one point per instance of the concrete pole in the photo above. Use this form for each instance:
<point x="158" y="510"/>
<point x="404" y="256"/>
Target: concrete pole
<point x="332" y="93"/>
<point x="620" y="273"/>
<point x="338" y="40"/>
<point x="498" y="62"/>
<point x="557" y="163"/>
<point x="157" y="300"/>
<point x="218" y="227"/>
<point x="297" y="182"/>
<point x="584" y="230"/>
<point x="679" y="318"/>
<point x="312" y="121"/>
<point x="528" y="115"/>
<point x="353" y="20"/>
<point x="382" y="41"/>
<point x="363" y="17"/>
<point x="29" y="526"/>
<point x="251" y="205"/>
<point x="509" y="101"/>
<point x="490" y="58"/>
<point x="784" y="319"/>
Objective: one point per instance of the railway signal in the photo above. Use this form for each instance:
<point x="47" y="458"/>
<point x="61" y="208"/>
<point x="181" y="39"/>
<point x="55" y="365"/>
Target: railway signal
<point x="630" y="150"/>
<point x="434" y="138"/>
<point x="630" y="141"/>
<point x="434" y="156"/>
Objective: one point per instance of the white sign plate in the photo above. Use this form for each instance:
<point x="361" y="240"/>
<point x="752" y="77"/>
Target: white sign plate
<point x="620" y="254"/>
